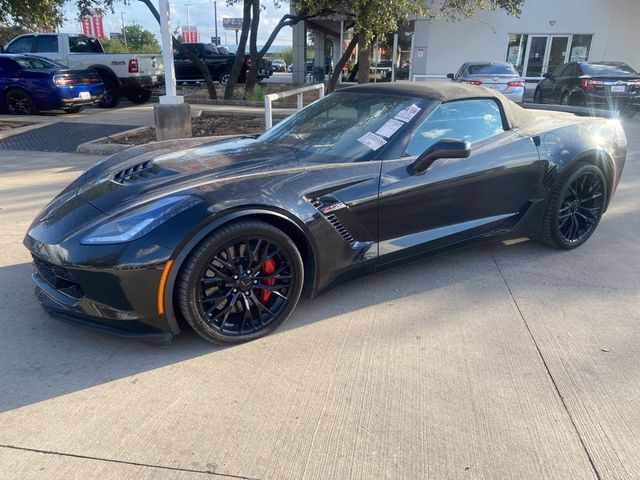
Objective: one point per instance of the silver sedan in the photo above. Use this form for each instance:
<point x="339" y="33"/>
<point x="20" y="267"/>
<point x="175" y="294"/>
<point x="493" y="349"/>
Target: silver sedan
<point x="496" y="75"/>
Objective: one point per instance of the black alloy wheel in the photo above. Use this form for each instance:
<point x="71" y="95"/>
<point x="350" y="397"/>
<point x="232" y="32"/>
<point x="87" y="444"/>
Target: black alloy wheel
<point x="576" y="207"/>
<point x="139" y="96"/>
<point x="111" y="95"/>
<point x="19" y="102"/>
<point x="240" y="283"/>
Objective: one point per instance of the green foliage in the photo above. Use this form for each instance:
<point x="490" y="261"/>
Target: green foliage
<point x="287" y="55"/>
<point x="256" y="94"/>
<point x="8" y="33"/>
<point x="140" y="40"/>
<point x="47" y="14"/>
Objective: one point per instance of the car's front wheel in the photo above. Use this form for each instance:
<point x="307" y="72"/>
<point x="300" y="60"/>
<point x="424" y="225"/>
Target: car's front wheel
<point x="575" y="207"/>
<point x="241" y="282"/>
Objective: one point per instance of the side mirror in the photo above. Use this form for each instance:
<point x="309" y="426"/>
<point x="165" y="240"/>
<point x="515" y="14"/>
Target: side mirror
<point x="445" y="148"/>
<point x="450" y="75"/>
<point x="546" y="75"/>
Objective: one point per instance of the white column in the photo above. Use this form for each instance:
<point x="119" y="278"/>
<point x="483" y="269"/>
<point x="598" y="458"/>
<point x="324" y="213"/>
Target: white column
<point x="299" y="45"/>
<point x="318" y="52"/>
<point x="340" y="49"/>
<point x="394" y="57"/>
<point x="167" y="56"/>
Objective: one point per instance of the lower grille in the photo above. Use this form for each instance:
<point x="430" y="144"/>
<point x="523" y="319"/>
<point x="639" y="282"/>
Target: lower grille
<point x="58" y="277"/>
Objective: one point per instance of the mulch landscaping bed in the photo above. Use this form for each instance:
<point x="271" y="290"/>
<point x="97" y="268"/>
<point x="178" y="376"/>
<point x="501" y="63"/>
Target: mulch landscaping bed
<point x="8" y="125"/>
<point x="203" y="126"/>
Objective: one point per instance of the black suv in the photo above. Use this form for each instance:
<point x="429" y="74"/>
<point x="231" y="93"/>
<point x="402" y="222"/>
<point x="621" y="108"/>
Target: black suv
<point x="613" y="85"/>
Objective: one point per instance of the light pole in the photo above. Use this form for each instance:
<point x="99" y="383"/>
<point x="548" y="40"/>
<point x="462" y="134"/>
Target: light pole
<point x="215" y="21"/>
<point x="124" y="32"/>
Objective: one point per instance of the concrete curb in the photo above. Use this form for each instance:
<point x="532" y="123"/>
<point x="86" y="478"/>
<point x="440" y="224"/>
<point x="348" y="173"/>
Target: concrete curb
<point x="99" y="148"/>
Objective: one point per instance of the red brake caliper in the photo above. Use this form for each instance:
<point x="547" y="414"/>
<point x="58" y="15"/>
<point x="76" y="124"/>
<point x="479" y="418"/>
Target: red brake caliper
<point x="268" y="268"/>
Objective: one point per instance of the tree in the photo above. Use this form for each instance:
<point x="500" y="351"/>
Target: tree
<point x="140" y="40"/>
<point x="242" y="43"/>
<point x="202" y="67"/>
<point x="9" y="32"/>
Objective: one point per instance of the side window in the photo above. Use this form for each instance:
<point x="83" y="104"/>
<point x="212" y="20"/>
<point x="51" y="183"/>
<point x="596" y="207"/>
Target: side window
<point x="560" y="70"/>
<point x="470" y="120"/>
<point x="21" y="45"/>
<point x="7" y="65"/>
<point x="47" y="44"/>
<point x="83" y="44"/>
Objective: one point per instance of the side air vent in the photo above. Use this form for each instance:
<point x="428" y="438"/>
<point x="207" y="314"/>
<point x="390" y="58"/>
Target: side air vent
<point x="136" y="173"/>
<point x="333" y="220"/>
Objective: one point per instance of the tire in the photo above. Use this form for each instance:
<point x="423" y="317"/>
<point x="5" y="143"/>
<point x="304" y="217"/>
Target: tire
<point x="564" y="99"/>
<point x="139" y="96"/>
<point x="73" y="109"/>
<point x="19" y="102"/>
<point x="575" y="207"/>
<point x="223" y="78"/>
<point x="217" y="285"/>
<point x="111" y="96"/>
<point x="537" y="96"/>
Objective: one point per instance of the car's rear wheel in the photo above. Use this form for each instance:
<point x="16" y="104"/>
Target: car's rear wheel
<point x="575" y="207"/>
<point x="241" y="282"/>
<point x="139" y="96"/>
<point x="19" y="102"/>
<point x="564" y="100"/>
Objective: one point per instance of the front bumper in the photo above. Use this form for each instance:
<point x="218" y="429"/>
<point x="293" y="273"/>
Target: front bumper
<point x="120" y="300"/>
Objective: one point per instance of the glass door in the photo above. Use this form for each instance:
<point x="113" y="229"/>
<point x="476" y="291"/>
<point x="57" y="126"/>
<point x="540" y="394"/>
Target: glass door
<point x="536" y="55"/>
<point x="557" y="55"/>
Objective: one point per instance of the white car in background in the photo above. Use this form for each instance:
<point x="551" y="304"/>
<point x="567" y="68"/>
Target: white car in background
<point x="500" y="76"/>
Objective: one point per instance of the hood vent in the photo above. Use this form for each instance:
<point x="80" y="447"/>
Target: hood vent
<point x="333" y="220"/>
<point x="136" y="173"/>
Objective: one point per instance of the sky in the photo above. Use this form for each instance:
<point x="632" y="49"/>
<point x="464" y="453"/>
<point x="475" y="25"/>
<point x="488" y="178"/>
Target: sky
<point x="201" y="14"/>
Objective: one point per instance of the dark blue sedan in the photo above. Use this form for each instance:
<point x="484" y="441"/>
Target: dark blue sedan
<point x="30" y="83"/>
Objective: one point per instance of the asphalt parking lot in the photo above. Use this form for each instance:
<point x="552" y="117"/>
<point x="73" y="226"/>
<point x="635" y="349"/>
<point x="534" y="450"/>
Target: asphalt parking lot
<point x="504" y="361"/>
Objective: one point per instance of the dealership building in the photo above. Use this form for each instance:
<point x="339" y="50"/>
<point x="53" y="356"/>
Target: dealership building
<point x="546" y="34"/>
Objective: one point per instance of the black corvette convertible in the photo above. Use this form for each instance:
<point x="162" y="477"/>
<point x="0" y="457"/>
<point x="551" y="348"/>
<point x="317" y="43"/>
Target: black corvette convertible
<point x="228" y="234"/>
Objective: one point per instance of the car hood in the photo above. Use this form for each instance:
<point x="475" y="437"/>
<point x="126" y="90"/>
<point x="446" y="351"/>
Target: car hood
<point x="143" y="178"/>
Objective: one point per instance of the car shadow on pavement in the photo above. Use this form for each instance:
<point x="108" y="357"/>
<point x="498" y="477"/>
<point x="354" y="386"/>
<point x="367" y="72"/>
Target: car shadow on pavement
<point x="42" y="358"/>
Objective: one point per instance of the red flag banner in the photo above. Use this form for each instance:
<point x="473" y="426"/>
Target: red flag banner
<point x="98" y="31"/>
<point x="86" y="25"/>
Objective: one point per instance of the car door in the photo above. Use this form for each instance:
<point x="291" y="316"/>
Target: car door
<point x="456" y="199"/>
<point x="185" y="69"/>
<point x="550" y="92"/>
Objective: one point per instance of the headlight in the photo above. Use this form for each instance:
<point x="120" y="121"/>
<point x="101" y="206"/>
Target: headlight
<point x="133" y="225"/>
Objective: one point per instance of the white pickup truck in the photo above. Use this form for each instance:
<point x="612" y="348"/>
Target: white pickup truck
<point x="130" y="74"/>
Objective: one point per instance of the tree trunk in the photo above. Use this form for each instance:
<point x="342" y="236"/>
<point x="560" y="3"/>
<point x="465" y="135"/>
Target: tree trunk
<point x="252" y="74"/>
<point x="238" y="64"/>
<point x="337" y="71"/>
<point x="363" y="59"/>
<point x="200" y="65"/>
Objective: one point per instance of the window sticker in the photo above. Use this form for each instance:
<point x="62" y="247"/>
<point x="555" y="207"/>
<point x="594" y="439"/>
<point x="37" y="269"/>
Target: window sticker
<point x="408" y="113"/>
<point x="371" y="140"/>
<point x="389" y="128"/>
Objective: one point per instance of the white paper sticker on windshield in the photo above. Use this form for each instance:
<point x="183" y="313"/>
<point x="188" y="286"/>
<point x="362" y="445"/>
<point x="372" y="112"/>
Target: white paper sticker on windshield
<point x="389" y="128"/>
<point x="371" y="140"/>
<point x="408" y="113"/>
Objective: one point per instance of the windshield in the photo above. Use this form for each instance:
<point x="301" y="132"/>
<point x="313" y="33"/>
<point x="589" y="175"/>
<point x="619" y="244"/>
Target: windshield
<point x="492" y="69"/>
<point x="36" y="63"/>
<point x="601" y="70"/>
<point x="346" y="126"/>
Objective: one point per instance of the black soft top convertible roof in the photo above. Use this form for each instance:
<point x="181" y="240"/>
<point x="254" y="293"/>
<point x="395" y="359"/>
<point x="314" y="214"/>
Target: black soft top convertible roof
<point x="448" y="92"/>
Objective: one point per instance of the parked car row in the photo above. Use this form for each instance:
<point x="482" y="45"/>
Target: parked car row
<point x="608" y="85"/>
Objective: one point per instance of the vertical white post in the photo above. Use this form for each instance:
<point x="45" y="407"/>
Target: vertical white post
<point x="167" y="55"/>
<point x="268" y="123"/>
<point x="299" y="99"/>
<point x="394" y="58"/>
<point x="413" y="36"/>
<point x="321" y="90"/>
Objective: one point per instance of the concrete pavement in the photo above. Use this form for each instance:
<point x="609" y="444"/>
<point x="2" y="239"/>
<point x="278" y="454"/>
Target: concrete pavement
<point x="504" y="361"/>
